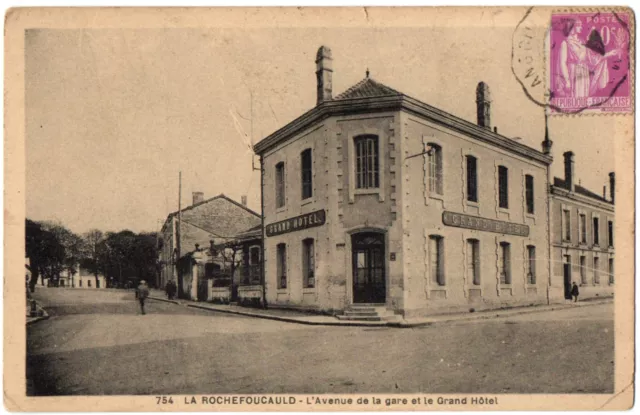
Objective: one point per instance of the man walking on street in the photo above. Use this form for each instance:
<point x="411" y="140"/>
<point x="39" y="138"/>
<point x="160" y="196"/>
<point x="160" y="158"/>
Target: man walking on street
<point x="142" y="292"/>
<point x="575" y="292"/>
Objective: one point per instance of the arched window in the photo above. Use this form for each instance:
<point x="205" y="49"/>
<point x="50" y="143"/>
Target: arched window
<point x="435" y="168"/>
<point x="366" y="162"/>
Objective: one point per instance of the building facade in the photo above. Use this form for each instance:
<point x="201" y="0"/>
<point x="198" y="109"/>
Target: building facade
<point x="85" y="279"/>
<point x="582" y="224"/>
<point x="201" y="230"/>
<point x="374" y="197"/>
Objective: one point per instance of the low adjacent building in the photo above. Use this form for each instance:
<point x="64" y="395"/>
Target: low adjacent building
<point x="85" y="279"/>
<point x="205" y="227"/>
<point x="582" y="224"/>
<point x="377" y="198"/>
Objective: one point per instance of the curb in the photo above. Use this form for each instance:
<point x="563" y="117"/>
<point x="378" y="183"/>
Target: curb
<point x="292" y="320"/>
<point x="165" y="300"/>
<point x="489" y="314"/>
<point x="44" y="316"/>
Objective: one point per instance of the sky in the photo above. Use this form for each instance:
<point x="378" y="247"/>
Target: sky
<point x="112" y="115"/>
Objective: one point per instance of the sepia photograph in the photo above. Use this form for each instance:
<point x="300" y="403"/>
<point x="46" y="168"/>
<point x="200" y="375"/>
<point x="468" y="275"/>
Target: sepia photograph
<point x="319" y="209"/>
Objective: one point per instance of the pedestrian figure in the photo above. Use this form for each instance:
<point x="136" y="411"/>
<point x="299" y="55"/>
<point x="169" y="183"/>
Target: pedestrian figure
<point x="170" y="288"/>
<point x="142" y="292"/>
<point x="575" y="292"/>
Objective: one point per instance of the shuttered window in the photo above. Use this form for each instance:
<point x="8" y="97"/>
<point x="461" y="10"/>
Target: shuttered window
<point x="473" y="261"/>
<point x="436" y="259"/>
<point x="281" y="263"/>
<point x="505" y="263"/>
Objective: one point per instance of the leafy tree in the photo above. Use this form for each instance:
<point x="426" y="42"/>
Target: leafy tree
<point x="45" y="252"/>
<point x="92" y="245"/>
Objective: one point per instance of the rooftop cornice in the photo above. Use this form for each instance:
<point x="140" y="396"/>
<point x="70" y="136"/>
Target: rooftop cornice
<point x="396" y="103"/>
<point x="573" y="196"/>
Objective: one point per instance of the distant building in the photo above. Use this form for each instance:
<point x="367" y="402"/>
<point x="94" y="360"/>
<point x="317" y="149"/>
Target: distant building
<point x="582" y="239"/>
<point x="85" y="279"/>
<point x="375" y="199"/>
<point x="206" y="226"/>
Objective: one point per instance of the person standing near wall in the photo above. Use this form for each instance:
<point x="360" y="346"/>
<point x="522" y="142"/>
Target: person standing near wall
<point x="575" y="292"/>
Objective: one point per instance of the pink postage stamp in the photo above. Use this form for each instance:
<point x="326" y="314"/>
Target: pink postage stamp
<point x="589" y="63"/>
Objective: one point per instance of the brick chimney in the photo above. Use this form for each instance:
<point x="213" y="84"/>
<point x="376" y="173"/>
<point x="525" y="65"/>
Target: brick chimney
<point x="612" y="186"/>
<point x="243" y="200"/>
<point x="483" y="104"/>
<point x="324" y="72"/>
<point x="569" y="171"/>
<point x="198" y="197"/>
<point x="547" y="143"/>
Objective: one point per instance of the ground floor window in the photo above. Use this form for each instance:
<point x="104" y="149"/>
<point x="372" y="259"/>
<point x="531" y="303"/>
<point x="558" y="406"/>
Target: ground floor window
<point x="436" y="253"/>
<point x="473" y="261"/>
<point x="80" y="283"/>
<point x="308" y="263"/>
<point x="505" y="263"/>
<point x="281" y="264"/>
<point x="583" y="269"/>
<point x="610" y="270"/>
<point x="531" y="264"/>
<point x="254" y="265"/>
<point x="89" y="283"/>
<point x="596" y="270"/>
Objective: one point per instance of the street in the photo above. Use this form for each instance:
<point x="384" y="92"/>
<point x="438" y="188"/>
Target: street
<point x="96" y="342"/>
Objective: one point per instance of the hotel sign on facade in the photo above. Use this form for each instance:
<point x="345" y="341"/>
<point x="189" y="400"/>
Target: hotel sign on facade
<point x="306" y="221"/>
<point x="460" y="220"/>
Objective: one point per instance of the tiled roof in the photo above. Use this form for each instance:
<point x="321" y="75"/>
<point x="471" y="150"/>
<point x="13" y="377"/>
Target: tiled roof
<point x="367" y="88"/>
<point x="220" y="216"/>
<point x="253" y="233"/>
<point x="557" y="182"/>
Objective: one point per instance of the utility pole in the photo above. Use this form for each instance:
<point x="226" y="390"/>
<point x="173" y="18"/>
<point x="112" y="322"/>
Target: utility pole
<point x="178" y="255"/>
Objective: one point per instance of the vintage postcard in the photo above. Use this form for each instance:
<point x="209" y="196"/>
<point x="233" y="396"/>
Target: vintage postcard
<point x="319" y="209"/>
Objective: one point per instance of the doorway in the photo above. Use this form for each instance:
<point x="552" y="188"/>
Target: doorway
<point x="368" y="264"/>
<point x="566" y="272"/>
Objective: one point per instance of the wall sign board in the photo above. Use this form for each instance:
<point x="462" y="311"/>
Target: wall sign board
<point x="306" y="221"/>
<point x="460" y="220"/>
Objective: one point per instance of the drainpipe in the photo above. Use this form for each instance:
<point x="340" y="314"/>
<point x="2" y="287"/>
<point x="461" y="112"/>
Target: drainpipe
<point x="262" y="276"/>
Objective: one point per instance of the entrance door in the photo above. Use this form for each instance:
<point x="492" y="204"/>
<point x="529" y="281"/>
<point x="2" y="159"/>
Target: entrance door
<point x="368" y="256"/>
<point x="567" y="280"/>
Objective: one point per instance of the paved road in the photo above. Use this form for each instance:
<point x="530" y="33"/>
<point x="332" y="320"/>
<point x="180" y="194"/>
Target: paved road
<point x="96" y="342"/>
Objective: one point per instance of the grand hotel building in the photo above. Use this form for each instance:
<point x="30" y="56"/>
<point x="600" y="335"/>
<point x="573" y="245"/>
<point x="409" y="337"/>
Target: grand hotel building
<point x="374" y="197"/>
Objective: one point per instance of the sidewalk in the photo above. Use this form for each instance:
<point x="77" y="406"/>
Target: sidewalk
<point x="42" y="315"/>
<point x="293" y="316"/>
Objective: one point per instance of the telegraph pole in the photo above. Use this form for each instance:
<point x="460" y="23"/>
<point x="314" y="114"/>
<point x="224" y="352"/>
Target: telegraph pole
<point x="179" y="236"/>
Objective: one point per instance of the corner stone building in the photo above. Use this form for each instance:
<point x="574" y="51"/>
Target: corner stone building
<point x="374" y="197"/>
